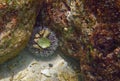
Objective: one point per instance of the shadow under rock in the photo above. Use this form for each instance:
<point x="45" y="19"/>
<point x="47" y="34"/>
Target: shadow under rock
<point x="14" y="66"/>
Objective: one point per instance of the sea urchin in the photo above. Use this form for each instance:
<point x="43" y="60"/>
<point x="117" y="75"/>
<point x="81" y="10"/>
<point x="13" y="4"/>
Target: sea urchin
<point x="43" y="42"/>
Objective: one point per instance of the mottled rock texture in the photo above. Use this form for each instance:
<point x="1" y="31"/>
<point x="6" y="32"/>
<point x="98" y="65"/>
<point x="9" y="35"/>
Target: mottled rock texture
<point x="88" y="30"/>
<point x="102" y="61"/>
<point x="17" y="18"/>
<point x="69" y="20"/>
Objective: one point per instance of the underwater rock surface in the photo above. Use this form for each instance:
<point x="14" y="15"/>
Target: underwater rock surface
<point x="106" y="11"/>
<point x="101" y="61"/>
<point x="88" y="30"/>
<point x="68" y="20"/>
<point x="16" y="22"/>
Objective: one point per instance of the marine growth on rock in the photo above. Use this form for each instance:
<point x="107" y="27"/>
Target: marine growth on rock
<point x="106" y="11"/>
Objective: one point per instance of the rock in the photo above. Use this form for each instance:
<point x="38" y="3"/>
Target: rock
<point x="68" y="20"/>
<point x="46" y="72"/>
<point x="16" y="23"/>
<point x="102" y="62"/>
<point x="88" y="35"/>
<point x="106" y="11"/>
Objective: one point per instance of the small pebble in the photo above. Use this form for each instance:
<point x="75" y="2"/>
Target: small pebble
<point x="50" y="65"/>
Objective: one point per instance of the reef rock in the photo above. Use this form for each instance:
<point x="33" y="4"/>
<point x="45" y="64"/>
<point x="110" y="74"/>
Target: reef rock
<point x="17" y="18"/>
<point x="90" y="31"/>
<point x="68" y="20"/>
<point x="101" y="60"/>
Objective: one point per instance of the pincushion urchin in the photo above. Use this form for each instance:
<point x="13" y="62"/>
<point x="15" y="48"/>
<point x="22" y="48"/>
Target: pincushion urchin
<point x="43" y="42"/>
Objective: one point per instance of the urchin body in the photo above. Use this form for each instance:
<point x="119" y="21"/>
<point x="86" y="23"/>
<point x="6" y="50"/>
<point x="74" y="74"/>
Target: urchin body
<point x="40" y="50"/>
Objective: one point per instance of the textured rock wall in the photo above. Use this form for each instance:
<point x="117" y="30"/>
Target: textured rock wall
<point x="16" y="22"/>
<point x="88" y="30"/>
<point x="70" y="22"/>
